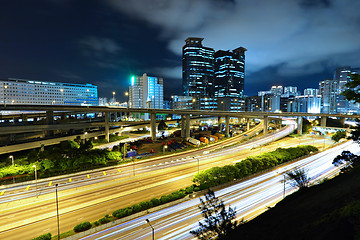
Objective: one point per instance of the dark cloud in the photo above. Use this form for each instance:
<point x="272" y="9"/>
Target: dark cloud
<point x="300" y="35"/>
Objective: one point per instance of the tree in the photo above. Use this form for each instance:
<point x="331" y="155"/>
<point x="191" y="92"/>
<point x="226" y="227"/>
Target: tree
<point x="348" y="158"/>
<point x="219" y="221"/>
<point x="338" y="135"/>
<point x="162" y="125"/>
<point x="352" y="88"/>
<point x="298" y="178"/>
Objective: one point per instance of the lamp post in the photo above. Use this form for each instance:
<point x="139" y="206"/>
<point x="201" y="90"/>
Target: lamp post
<point x="127" y="95"/>
<point x="35" y="180"/>
<point x="133" y="165"/>
<point x="284" y="185"/>
<point x="284" y="181"/>
<point x="198" y="164"/>
<point x="62" y="95"/>
<point x="164" y="148"/>
<point x="12" y="160"/>
<point x="113" y="97"/>
<point x="153" y="231"/>
<point x="57" y="210"/>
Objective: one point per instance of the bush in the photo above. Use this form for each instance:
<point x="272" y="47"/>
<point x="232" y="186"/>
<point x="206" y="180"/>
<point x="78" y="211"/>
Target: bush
<point x="219" y="175"/>
<point x="82" y="227"/>
<point x="338" y="135"/>
<point x="155" y="202"/>
<point x="46" y="236"/>
<point x="96" y="223"/>
<point x="104" y="220"/>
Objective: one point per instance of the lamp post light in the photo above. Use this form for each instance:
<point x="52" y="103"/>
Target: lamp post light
<point x="133" y="165"/>
<point x="164" y="148"/>
<point x="153" y="231"/>
<point x="35" y="180"/>
<point x="62" y="95"/>
<point x="12" y="163"/>
<point x="57" y="210"/>
<point x="283" y="181"/>
<point x="198" y="164"/>
<point x="113" y="97"/>
<point x="12" y="160"/>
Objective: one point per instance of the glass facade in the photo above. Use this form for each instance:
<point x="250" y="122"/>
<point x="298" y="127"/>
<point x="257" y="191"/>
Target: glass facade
<point x="146" y="92"/>
<point x="230" y="73"/>
<point x="198" y="71"/>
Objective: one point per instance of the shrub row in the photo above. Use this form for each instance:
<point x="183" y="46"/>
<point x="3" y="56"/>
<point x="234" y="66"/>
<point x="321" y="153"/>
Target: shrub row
<point x="253" y="164"/>
<point x="82" y="227"/>
<point x="123" y="212"/>
<point x="46" y="236"/>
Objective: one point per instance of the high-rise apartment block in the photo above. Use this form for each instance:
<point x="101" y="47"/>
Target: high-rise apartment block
<point x="22" y="91"/>
<point x="212" y="78"/>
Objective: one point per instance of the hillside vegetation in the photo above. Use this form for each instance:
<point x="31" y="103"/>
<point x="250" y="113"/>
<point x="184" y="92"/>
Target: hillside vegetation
<point x="330" y="210"/>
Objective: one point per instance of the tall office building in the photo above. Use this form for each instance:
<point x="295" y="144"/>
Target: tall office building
<point x="213" y="78"/>
<point x="230" y="73"/>
<point x="22" y="91"/>
<point x="341" y="77"/>
<point x="198" y="69"/>
<point x="328" y="90"/>
<point x="146" y="92"/>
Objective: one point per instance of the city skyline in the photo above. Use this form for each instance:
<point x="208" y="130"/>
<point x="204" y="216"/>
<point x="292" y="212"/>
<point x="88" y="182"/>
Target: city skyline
<point x="106" y="42"/>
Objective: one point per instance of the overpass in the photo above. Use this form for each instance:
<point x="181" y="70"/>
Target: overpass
<point x="49" y="111"/>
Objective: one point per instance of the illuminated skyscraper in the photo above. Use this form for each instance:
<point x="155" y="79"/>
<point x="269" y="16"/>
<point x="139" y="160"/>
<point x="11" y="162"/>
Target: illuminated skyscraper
<point x="198" y="72"/>
<point x="146" y="92"/>
<point x="230" y="73"/>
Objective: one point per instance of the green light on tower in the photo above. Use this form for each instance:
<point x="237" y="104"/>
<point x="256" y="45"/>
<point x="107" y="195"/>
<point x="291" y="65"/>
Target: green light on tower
<point x="132" y="80"/>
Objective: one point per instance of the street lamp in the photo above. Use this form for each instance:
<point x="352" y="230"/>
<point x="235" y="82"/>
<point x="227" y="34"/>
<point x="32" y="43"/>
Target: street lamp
<point x="284" y="181"/>
<point x="164" y="148"/>
<point x="153" y="231"/>
<point x="57" y="210"/>
<point x="198" y="164"/>
<point x="35" y="180"/>
<point x="133" y="165"/>
<point x="113" y="97"/>
<point x="62" y="95"/>
<point x="12" y="159"/>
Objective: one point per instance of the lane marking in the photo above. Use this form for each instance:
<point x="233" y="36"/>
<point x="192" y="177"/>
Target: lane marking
<point x="119" y="170"/>
<point x="50" y="183"/>
<point x="27" y="188"/>
<point x="2" y="192"/>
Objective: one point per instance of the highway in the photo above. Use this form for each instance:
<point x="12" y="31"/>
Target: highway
<point x="90" y="199"/>
<point x="250" y="198"/>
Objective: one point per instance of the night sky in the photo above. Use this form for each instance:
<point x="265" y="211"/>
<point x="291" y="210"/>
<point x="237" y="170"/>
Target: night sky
<point x="290" y="43"/>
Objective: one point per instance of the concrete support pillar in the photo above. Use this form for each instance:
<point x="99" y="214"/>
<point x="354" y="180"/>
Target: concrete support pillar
<point x="342" y="121"/>
<point x="49" y="117"/>
<point x="266" y="124"/>
<point x="153" y="126"/>
<point x="49" y="121"/>
<point x="227" y="126"/>
<point x="299" y="127"/>
<point x="107" y="136"/>
<point x="183" y="127"/>
<point x="187" y="131"/>
<point x="219" y="121"/>
<point x="323" y="121"/>
<point x="247" y="124"/>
